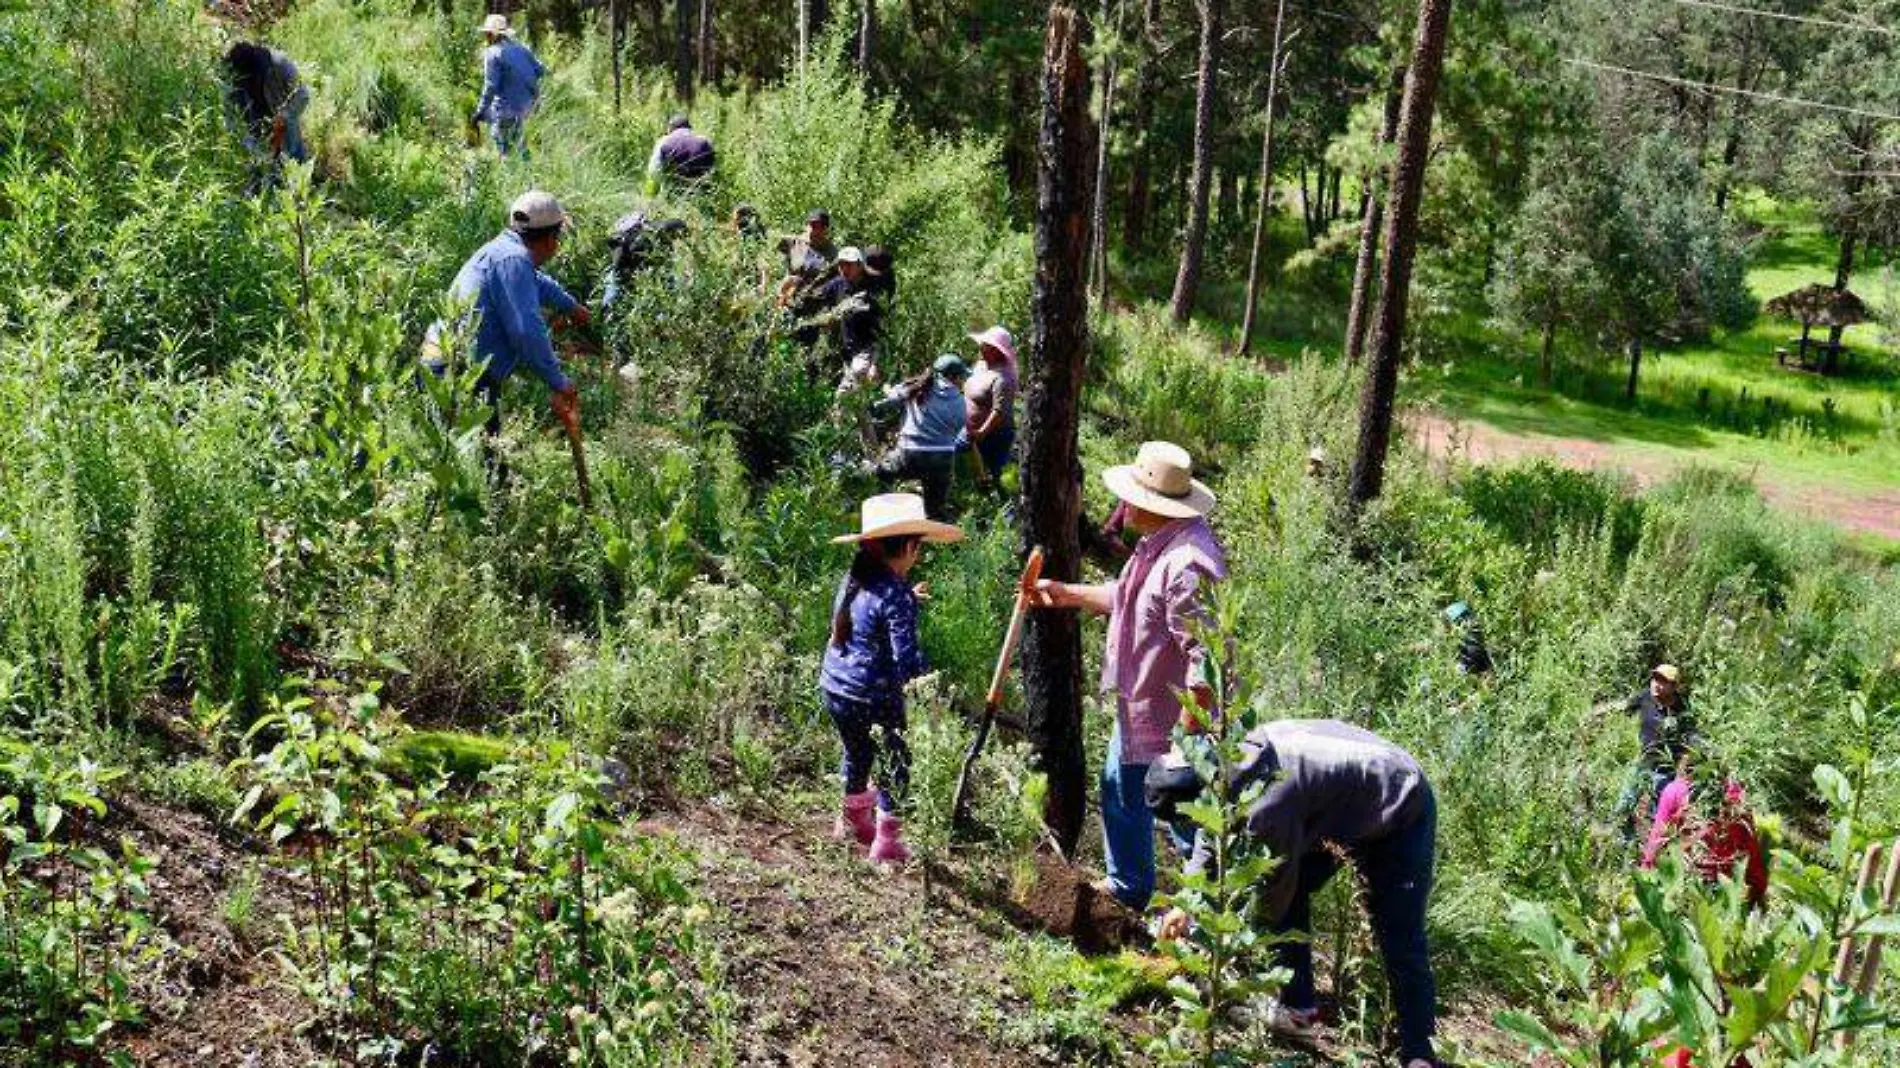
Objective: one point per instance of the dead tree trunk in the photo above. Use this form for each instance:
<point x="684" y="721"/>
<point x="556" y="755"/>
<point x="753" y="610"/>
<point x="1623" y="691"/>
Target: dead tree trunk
<point x="1265" y="204"/>
<point x="683" y="66"/>
<point x="1635" y="350"/>
<point x="1051" y="469"/>
<point x="1188" y="279"/>
<point x="1357" y="317"/>
<point x="1401" y="236"/>
<point x="1098" y="217"/>
<point x="1140" y="186"/>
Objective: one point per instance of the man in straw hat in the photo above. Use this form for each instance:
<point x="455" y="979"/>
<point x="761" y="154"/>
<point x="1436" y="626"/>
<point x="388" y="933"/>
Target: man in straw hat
<point x="504" y="288"/>
<point x="511" y="86"/>
<point x="1153" y="652"/>
<point x="872" y="653"/>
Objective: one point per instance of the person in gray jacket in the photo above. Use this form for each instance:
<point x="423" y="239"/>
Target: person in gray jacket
<point x="934" y="414"/>
<point x="1332" y="785"/>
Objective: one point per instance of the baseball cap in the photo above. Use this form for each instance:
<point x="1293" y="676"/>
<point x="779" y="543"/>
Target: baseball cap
<point x="536" y="210"/>
<point x="851" y="254"/>
<point x="1666" y="672"/>
<point x="950" y="365"/>
<point x="818" y="215"/>
<point x="677" y="121"/>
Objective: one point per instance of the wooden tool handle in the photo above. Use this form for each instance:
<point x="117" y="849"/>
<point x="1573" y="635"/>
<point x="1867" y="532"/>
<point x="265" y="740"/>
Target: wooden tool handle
<point x="1025" y="589"/>
<point x="580" y="465"/>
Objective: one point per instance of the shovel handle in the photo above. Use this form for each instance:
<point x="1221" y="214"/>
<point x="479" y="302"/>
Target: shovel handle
<point x="580" y="464"/>
<point x="1025" y="589"/>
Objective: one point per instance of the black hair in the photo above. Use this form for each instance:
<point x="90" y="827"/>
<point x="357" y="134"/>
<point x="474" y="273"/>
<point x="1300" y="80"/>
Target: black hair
<point x="249" y="64"/>
<point x="870" y="562"/>
<point x="536" y="233"/>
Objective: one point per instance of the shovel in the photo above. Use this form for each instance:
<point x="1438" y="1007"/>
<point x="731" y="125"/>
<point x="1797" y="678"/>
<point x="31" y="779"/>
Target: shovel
<point x="581" y="482"/>
<point x="1025" y="590"/>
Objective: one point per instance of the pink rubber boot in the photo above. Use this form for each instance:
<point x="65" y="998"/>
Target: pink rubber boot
<point x="889" y="848"/>
<point x="855" y="819"/>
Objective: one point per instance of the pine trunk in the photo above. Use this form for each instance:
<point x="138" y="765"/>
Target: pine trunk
<point x="1188" y="279"/>
<point x="867" y="37"/>
<point x="1264" y="206"/>
<point x="1547" y="361"/>
<point x="1358" y="317"/>
<point x="1140" y="185"/>
<point x="683" y="66"/>
<point x="1635" y="350"/>
<point x="1051" y="469"/>
<point x="1098" y="216"/>
<point x="617" y="44"/>
<point x="708" y="57"/>
<point x="1401" y="237"/>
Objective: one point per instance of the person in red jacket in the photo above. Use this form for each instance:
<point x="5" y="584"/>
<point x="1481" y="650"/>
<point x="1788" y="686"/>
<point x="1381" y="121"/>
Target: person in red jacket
<point x="1712" y="843"/>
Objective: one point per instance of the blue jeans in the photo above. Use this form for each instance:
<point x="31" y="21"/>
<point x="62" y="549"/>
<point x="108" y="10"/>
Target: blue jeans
<point x="855" y="720"/>
<point x="1128" y="829"/>
<point x="510" y="133"/>
<point x="1636" y="804"/>
<point x="1398" y="874"/>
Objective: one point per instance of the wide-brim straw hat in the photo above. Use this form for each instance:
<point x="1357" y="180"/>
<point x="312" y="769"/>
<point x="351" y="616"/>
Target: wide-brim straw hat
<point x="893" y="515"/>
<point x="1161" y="480"/>
<point x="497" y="24"/>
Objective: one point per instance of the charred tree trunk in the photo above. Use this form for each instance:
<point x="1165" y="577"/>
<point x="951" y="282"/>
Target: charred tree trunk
<point x="1051" y="469"/>
<point x="683" y="65"/>
<point x="804" y="35"/>
<point x="1140" y="190"/>
<point x="867" y="37"/>
<point x="708" y="54"/>
<point x="1401" y="235"/>
<point x="1635" y="350"/>
<point x="1264" y="206"/>
<point x="1193" y="244"/>
<point x="1358" y="317"/>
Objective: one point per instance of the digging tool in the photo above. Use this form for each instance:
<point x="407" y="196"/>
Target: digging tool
<point x="586" y="488"/>
<point x="1025" y="591"/>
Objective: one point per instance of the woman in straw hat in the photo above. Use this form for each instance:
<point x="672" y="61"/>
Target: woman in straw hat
<point x="1153" y="652"/>
<point x="872" y="653"/>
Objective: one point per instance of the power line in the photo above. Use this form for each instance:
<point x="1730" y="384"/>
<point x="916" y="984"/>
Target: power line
<point x="1807" y="20"/>
<point x="1711" y="87"/>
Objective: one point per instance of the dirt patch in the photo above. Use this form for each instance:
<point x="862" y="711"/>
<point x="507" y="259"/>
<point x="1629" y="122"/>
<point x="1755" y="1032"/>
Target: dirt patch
<point x="1446" y="439"/>
<point x="834" y="962"/>
<point x="223" y="1001"/>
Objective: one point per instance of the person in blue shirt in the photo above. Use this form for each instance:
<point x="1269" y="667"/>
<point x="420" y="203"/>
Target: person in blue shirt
<point x="511" y="86"/>
<point x="872" y="652"/>
<point x="934" y="414"/>
<point x="505" y="290"/>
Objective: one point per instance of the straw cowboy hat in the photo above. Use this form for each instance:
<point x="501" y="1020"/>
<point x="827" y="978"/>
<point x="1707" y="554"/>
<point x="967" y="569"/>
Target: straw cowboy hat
<point x="1161" y="480"/>
<point x="891" y="515"/>
<point x="497" y="24"/>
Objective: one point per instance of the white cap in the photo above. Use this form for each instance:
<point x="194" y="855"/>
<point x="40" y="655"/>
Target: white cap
<point x="850" y="254"/>
<point x="536" y="210"/>
<point x="497" y="24"/>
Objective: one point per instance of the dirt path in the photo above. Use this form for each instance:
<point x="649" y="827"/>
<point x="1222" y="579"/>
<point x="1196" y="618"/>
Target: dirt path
<point x="1444" y="439"/>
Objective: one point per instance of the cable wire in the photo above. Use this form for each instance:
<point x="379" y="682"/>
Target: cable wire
<point x="1711" y="87"/>
<point x="1806" y="20"/>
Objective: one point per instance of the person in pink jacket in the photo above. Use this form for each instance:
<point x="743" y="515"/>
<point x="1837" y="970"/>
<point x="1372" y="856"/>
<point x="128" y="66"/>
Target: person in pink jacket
<point x="1154" y="652"/>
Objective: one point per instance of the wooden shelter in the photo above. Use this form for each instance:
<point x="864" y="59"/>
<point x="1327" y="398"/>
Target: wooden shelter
<point x="1819" y="305"/>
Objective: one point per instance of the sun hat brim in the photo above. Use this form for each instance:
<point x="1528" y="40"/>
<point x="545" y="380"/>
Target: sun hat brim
<point x="934" y="532"/>
<point x="1199" y="501"/>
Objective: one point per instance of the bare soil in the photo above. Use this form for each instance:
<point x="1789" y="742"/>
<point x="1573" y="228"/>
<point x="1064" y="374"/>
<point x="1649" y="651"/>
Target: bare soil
<point x="1445" y="439"/>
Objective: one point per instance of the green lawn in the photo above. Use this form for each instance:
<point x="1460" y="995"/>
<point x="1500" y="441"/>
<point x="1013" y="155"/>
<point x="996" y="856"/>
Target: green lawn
<point x="1724" y="402"/>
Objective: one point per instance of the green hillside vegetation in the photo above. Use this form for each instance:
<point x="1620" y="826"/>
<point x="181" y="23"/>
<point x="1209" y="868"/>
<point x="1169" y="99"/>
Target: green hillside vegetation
<point x="257" y="581"/>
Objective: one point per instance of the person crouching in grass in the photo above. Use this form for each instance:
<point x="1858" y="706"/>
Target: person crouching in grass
<point x="872" y="652"/>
